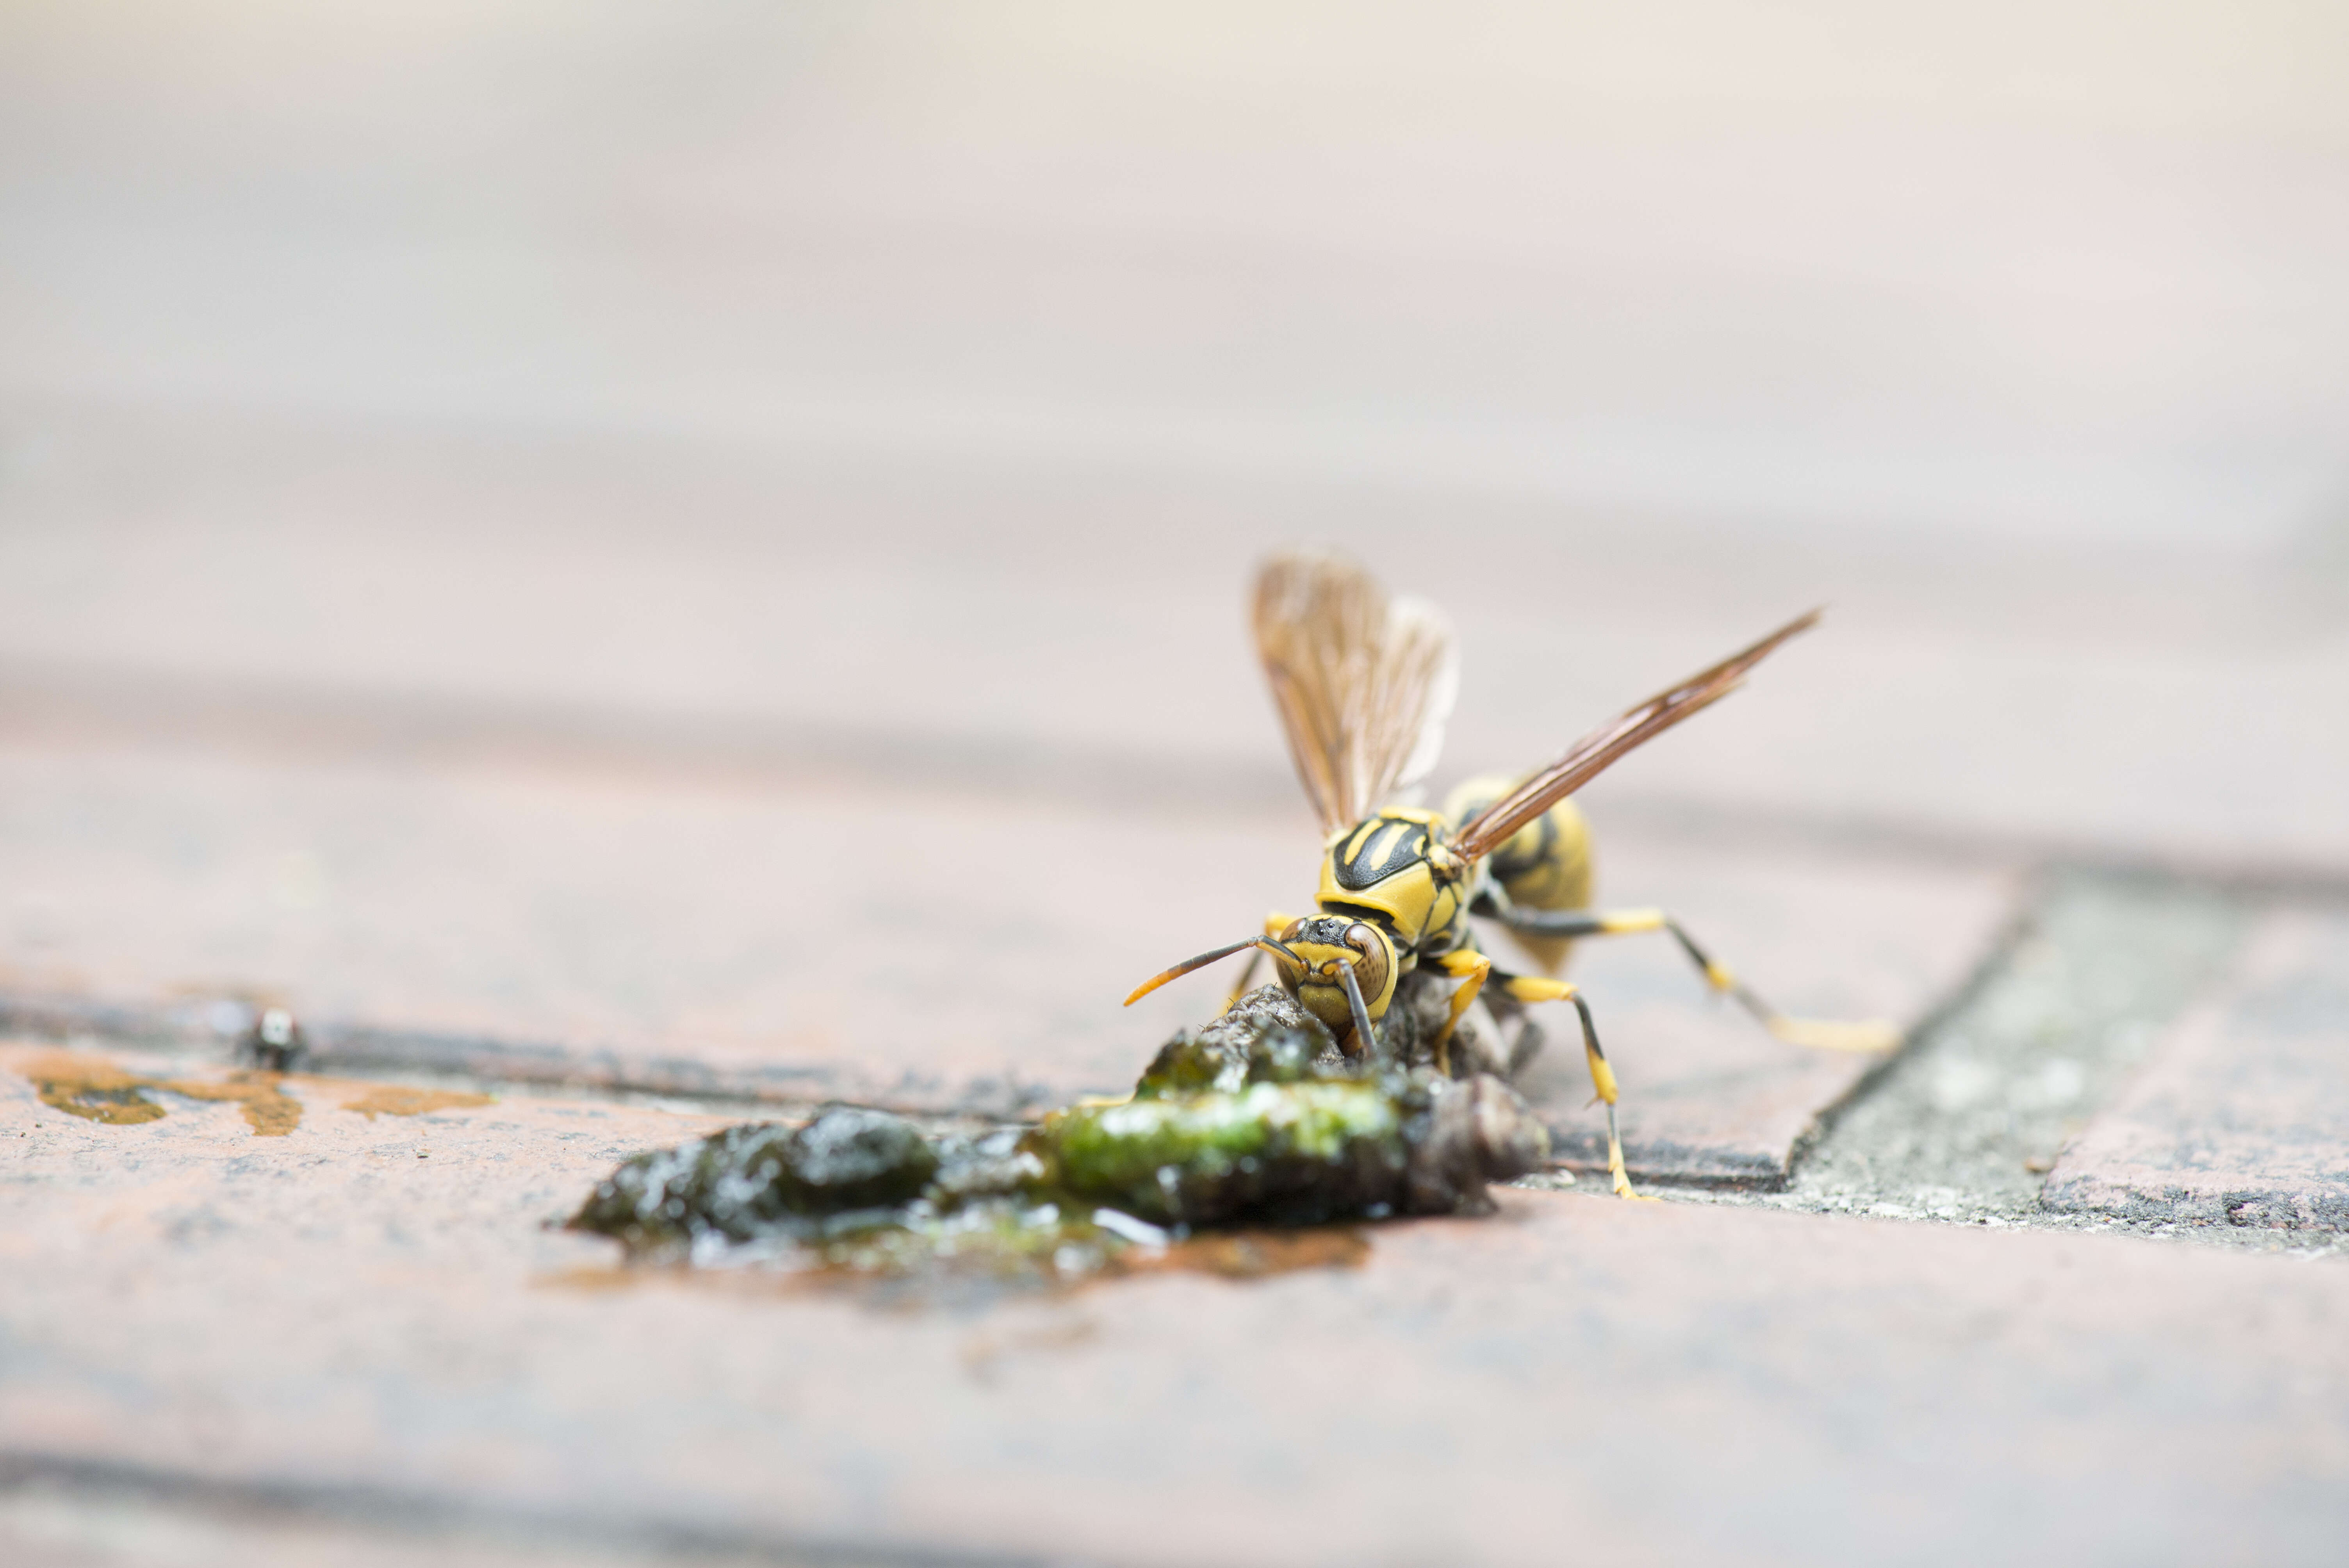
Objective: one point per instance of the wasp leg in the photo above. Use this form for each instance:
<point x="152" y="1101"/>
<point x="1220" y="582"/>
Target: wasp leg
<point x="1475" y="966"/>
<point x="1532" y="988"/>
<point x="1248" y="978"/>
<point x="1274" y="925"/>
<point x="1816" y="1033"/>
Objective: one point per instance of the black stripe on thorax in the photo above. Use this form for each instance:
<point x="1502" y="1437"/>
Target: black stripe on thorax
<point x="1367" y="916"/>
<point x="1400" y="852"/>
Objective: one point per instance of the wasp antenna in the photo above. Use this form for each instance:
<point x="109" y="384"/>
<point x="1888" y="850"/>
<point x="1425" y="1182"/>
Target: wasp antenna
<point x="1201" y="961"/>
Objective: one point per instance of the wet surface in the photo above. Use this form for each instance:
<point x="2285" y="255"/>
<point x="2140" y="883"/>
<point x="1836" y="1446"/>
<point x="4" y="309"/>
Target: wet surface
<point x="915" y="1280"/>
<point x="92" y="1086"/>
<point x="396" y="1099"/>
<point x="97" y="1091"/>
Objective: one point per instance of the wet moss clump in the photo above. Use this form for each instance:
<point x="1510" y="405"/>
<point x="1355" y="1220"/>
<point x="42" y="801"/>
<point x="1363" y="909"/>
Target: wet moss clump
<point x="1267" y="1038"/>
<point x="755" y="1181"/>
<point x="1255" y="1120"/>
<point x="1297" y="1152"/>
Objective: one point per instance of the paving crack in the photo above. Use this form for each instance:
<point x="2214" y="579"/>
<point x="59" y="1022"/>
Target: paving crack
<point x="1964" y="1124"/>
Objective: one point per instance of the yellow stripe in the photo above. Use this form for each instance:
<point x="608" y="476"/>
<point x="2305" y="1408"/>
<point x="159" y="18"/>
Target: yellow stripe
<point x="1355" y="849"/>
<point x="1602" y="1077"/>
<point x="1631" y="920"/>
<point x="1384" y="845"/>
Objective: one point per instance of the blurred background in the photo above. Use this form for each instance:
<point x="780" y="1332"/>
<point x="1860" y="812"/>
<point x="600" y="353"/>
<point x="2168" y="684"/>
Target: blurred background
<point x="897" y="395"/>
<point x="697" y="550"/>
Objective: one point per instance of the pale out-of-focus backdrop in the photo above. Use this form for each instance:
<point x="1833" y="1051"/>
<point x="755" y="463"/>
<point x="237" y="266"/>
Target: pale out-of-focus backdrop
<point x="698" y="549"/>
<point x="912" y="385"/>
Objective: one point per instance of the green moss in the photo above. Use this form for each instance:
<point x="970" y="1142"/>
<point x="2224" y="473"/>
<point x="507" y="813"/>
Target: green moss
<point x="1279" y="1149"/>
<point x="1254" y="1119"/>
<point x="1266" y="1037"/>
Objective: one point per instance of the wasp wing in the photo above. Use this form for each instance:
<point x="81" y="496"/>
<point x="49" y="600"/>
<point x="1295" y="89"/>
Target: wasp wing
<point x="1586" y="758"/>
<point x="1363" y="682"/>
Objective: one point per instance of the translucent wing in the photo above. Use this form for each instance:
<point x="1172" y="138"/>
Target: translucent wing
<point x="1588" y="756"/>
<point x="1363" y="682"/>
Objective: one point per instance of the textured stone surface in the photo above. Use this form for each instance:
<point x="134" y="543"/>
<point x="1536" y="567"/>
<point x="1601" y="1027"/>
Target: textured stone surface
<point x="329" y="1321"/>
<point x="2239" y="1117"/>
<point x="1964" y="1126"/>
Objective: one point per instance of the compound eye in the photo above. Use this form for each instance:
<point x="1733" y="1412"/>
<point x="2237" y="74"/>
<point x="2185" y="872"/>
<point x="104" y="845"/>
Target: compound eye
<point x="1361" y="939"/>
<point x="1296" y="931"/>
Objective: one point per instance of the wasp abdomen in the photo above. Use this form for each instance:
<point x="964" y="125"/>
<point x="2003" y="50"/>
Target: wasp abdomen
<point x="1544" y="865"/>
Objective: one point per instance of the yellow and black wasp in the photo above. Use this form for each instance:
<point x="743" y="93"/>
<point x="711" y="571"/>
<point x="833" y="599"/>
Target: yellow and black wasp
<point x="1364" y="683"/>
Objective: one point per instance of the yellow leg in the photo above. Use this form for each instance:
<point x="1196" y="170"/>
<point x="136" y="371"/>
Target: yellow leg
<point x="1602" y="1080"/>
<point x="1816" y="1033"/>
<point x="1248" y="978"/>
<point x="1532" y="988"/>
<point x="1475" y="966"/>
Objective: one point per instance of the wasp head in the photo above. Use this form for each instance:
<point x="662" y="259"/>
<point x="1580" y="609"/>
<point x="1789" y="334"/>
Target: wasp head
<point x="1316" y="956"/>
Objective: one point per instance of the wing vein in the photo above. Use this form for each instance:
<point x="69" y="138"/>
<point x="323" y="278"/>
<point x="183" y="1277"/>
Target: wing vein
<point x="1363" y="683"/>
<point x="1588" y="756"/>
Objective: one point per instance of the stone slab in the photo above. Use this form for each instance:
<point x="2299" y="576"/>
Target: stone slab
<point x="324" y="1323"/>
<point x="900" y="947"/>
<point x="2239" y="1117"/>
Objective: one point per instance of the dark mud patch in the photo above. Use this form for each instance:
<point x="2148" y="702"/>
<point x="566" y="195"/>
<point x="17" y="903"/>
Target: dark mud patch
<point x="93" y="1091"/>
<point x="96" y="1090"/>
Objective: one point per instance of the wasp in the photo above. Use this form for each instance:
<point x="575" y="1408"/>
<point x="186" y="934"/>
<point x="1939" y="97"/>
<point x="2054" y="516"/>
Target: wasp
<point x="1364" y="683"/>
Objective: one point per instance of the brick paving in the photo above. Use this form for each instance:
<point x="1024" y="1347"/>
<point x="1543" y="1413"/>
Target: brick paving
<point x="653" y="601"/>
<point x="1650" y="1383"/>
<point x="907" y="949"/>
<point x="705" y="576"/>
